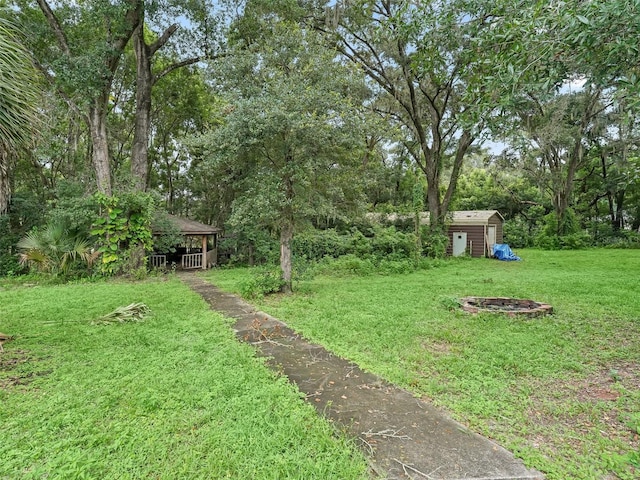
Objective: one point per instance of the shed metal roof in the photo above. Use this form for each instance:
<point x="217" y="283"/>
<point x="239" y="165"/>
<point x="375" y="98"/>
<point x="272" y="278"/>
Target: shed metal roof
<point x="460" y="217"/>
<point x="191" y="227"/>
<point x="473" y="217"/>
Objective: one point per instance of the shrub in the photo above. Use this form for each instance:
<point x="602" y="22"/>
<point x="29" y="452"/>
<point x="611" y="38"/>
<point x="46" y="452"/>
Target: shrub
<point x="625" y="239"/>
<point x="519" y="233"/>
<point x="263" y="282"/>
<point x="349" y="264"/>
<point x="316" y="244"/>
<point x="435" y="243"/>
<point x="8" y="239"/>
<point x="57" y="250"/>
<point x="390" y="244"/>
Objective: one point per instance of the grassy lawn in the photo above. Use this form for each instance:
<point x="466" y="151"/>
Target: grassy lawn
<point x="562" y="392"/>
<point x="172" y="397"/>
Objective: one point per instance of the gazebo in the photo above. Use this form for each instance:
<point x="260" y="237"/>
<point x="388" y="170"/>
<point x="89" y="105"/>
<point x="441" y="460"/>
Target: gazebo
<point x="194" y="252"/>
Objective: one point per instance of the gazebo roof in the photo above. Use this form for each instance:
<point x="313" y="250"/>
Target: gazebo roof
<point x="191" y="227"/>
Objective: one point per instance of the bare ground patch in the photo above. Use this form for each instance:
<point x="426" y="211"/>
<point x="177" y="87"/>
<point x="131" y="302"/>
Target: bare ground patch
<point x="15" y="369"/>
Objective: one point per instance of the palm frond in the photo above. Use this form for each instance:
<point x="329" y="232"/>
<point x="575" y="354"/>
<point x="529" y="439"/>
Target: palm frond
<point x="135" y="312"/>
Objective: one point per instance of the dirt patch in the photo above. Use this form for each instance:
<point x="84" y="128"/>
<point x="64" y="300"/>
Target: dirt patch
<point x="438" y="348"/>
<point x="12" y="373"/>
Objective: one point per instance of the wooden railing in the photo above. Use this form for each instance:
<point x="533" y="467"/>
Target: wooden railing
<point x="158" y="261"/>
<point x="191" y="260"/>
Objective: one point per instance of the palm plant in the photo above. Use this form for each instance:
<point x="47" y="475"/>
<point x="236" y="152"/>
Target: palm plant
<point x="18" y="99"/>
<point x="55" y="250"/>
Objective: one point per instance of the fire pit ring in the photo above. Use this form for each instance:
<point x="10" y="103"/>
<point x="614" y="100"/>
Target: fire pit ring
<point x="509" y="306"/>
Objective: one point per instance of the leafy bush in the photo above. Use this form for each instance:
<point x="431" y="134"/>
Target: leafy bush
<point x="626" y="239"/>
<point x="263" y="282"/>
<point x="73" y="207"/>
<point x="316" y="244"/>
<point x="248" y="246"/>
<point x="381" y="242"/>
<point x="574" y="241"/>
<point x="57" y="250"/>
<point x="8" y="239"/>
<point x="435" y="243"/>
<point x="390" y="244"/>
<point x="519" y="233"/>
<point x="349" y="264"/>
<point x="124" y="231"/>
<point x="170" y="233"/>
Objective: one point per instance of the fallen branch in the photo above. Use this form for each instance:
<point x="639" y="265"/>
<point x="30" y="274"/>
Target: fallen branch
<point x="405" y="467"/>
<point x="388" y="433"/>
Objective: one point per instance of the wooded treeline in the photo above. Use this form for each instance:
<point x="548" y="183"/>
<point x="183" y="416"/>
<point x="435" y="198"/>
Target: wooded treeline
<point x="269" y="118"/>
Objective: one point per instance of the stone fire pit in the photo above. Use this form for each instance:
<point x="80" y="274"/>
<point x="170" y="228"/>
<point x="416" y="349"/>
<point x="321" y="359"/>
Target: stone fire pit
<point x="509" y="306"/>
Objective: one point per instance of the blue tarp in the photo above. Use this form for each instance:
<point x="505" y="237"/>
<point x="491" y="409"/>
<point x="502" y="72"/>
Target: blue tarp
<point x="502" y="251"/>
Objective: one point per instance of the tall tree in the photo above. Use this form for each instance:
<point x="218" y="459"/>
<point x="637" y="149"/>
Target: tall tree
<point x="18" y="100"/>
<point x="553" y="142"/>
<point x="200" y="39"/>
<point x="288" y="134"/>
<point x="420" y="61"/>
<point x="78" y="48"/>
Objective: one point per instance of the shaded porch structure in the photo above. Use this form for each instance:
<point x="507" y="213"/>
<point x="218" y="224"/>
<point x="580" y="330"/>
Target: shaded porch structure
<point x="198" y="251"/>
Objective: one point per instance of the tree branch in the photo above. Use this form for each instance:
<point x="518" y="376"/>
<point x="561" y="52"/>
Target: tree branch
<point x="159" y="43"/>
<point x="185" y="63"/>
<point x="55" y="26"/>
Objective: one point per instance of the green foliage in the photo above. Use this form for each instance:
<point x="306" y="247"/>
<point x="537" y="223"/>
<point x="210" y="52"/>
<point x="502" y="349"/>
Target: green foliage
<point x="18" y="91"/>
<point x="349" y="264"/>
<point x="435" y="243"/>
<point x="624" y="240"/>
<point x="264" y="281"/>
<point x="312" y="244"/>
<point x="73" y="207"/>
<point x="170" y="235"/>
<point x="124" y="231"/>
<point x="519" y="233"/>
<point x="8" y="239"/>
<point x="57" y="250"/>
<point x="248" y="245"/>
<point x="571" y="239"/>
<point x="381" y="243"/>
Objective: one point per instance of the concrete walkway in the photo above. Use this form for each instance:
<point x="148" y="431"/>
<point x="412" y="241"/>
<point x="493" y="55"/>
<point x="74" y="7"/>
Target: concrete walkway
<point x="404" y="437"/>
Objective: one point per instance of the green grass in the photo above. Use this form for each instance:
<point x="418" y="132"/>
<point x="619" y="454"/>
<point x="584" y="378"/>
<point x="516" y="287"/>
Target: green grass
<point x="175" y="396"/>
<point x="562" y="392"/>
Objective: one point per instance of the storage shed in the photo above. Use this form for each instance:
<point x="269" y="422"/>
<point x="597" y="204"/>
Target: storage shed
<point x="194" y="252"/>
<point x="474" y="232"/>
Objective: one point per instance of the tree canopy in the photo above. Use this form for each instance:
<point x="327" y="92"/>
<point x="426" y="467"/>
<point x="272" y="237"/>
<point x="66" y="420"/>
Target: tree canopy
<point x="270" y="118"/>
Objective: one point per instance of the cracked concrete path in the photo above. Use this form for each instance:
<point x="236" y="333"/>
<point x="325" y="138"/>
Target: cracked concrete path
<point x="404" y="437"/>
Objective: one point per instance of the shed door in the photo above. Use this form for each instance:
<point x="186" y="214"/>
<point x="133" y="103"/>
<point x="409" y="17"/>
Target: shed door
<point x="459" y="243"/>
<point x="491" y="238"/>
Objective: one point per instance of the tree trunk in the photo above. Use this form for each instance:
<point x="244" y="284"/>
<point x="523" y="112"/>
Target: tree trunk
<point x="100" y="155"/>
<point x="144" y="83"/>
<point x="5" y="183"/>
<point x="618" y="223"/>
<point x="286" y="235"/>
